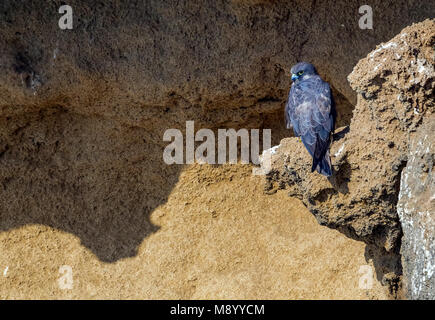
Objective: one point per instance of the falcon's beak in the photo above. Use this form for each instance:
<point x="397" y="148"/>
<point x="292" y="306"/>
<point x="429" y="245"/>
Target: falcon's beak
<point x="294" y="77"/>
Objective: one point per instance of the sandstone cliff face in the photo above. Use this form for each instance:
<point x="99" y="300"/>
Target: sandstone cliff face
<point x="395" y="86"/>
<point x="217" y="237"/>
<point x="416" y="209"/>
<point x="83" y="111"/>
<point x="141" y="62"/>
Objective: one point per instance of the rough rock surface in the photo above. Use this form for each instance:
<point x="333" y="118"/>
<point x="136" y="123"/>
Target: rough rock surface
<point x="395" y="86"/>
<point x="217" y="237"/>
<point x="416" y="208"/>
<point x="83" y="113"/>
<point x="218" y="62"/>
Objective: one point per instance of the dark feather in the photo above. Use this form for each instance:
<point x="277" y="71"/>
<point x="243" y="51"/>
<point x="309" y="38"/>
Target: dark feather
<point x="310" y="111"/>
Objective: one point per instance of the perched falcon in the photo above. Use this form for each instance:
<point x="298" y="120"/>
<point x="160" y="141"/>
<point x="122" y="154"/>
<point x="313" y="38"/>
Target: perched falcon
<point x="310" y="111"/>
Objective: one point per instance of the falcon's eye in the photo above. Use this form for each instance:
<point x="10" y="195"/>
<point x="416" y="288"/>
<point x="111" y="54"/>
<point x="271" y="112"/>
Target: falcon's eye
<point x="300" y="73"/>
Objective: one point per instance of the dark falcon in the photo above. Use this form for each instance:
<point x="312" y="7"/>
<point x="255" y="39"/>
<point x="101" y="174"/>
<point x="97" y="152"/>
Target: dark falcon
<point x="310" y="111"/>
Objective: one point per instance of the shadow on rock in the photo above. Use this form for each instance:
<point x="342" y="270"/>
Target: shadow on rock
<point x="88" y="176"/>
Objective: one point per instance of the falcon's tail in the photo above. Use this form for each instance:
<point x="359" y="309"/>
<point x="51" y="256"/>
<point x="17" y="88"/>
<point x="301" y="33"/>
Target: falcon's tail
<point x="323" y="166"/>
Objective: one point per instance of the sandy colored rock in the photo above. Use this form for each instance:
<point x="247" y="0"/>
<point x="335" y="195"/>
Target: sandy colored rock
<point x="395" y="86"/>
<point x="82" y="116"/>
<point x="416" y="209"/>
<point x="217" y="237"/>
<point x="218" y="62"/>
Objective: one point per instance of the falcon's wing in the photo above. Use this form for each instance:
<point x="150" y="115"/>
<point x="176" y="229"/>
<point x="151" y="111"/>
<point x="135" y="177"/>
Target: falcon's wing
<point x="315" y="116"/>
<point x="290" y="117"/>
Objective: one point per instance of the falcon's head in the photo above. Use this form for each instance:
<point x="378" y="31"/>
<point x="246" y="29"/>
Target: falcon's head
<point x="302" y="70"/>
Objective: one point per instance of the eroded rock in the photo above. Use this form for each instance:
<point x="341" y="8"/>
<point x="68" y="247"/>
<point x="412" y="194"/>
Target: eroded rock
<point x="203" y="59"/>
<point x="416" y="209"/>
<point x="395" y="85"/>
